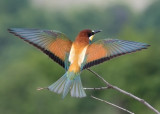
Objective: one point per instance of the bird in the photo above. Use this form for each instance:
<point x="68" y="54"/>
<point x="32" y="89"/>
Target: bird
<point x="75" y="56"/>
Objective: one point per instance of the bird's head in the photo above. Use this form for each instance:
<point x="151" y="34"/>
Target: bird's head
<point x="87" y="35"/>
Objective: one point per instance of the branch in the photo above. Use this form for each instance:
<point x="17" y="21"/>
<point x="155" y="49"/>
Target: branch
<point x="124" y="92"/>
<point x="112" y="104"/>
<point x="42" y="88"/>
<point x="100" y="88"/>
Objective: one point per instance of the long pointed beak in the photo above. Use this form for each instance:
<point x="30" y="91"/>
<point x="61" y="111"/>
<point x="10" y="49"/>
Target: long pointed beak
<point x="97" y="31"/>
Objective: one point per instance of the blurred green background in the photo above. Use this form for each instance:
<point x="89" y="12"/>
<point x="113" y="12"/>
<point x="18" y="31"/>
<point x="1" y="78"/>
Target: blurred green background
<point x="23" y="68"/>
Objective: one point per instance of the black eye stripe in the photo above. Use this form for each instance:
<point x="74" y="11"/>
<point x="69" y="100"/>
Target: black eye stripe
<point x="90" y="34"/>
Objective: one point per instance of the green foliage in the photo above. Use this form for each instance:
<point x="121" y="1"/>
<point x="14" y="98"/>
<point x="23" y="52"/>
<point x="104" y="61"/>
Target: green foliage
<point x="23" y="68"/>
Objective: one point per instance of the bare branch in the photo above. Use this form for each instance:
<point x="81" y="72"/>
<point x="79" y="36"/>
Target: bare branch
<point x="124" y="92"/>
<point x="100" y="88"/>
<point x="112" y="105"/>
<point x="42" y="88"/>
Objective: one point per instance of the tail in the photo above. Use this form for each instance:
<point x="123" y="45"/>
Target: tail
<point x="69" y="81"/>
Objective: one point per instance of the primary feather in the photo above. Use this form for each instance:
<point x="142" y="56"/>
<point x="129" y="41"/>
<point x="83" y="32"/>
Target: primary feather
<point x="53" y="43"/>
<point x="106" y="49"/>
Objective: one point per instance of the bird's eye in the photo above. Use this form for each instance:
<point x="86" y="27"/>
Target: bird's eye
<point x="90" y="34"/>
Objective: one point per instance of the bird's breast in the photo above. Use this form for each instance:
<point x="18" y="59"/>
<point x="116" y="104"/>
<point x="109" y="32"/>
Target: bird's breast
<point x="76" y="56"/>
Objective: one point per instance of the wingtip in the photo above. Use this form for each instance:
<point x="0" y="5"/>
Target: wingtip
<point x="147" y="45"/>
<point x="9" y="29"/>
<point x="13" y="31"/>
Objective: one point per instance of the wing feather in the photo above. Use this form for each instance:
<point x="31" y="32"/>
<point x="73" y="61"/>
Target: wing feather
<point x="107" y="49"/>
<point x="53" y="43"/>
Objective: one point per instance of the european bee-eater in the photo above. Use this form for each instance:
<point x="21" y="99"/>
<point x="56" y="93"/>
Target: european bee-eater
<point x="75" y="56"/>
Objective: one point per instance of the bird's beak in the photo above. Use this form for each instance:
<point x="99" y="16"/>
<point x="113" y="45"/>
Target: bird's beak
<point x="93" y="33"/>
<point x="97" y="31"/>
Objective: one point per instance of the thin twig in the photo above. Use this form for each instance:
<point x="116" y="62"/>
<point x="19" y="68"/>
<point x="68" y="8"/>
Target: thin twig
<point x="42" y="88"/>
<point x="99" y="88"/>
<point x="112" y="105"/>
<point x="124" y="92"/>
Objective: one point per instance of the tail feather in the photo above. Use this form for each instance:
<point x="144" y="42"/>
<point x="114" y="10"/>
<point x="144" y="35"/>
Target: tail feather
<point x="69" y="81"/>
<point x="77" y="88"/>
<point x="58" y="86"/>
<point x="67" y="87"/>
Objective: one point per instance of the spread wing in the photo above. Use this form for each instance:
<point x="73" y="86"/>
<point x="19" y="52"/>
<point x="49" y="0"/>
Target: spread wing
<point x="106" y="49"/>
<point x="53" y="43"/>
